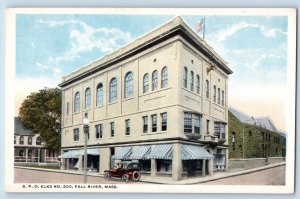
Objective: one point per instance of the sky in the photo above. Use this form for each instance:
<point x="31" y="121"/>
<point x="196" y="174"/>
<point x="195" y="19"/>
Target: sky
<point x="49" y="47"/>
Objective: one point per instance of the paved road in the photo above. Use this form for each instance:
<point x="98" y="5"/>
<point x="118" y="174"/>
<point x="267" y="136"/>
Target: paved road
<point x="273" y="176"/>
<point x="35" y="176"/>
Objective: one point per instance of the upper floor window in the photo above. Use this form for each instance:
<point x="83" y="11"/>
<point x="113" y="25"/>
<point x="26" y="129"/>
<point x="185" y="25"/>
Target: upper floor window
<point x="99" y="131"/>
<point x="113" y="89"/>
<point x="223" y="98"/>
<point x="127" y="127"/>
<point x="188" y="123"/>
<point x="76" y="134"/>
<point x="164" y="77"/>
<point x="87" y="103"/>
<point x="128" y="92"/>
<point x="207" y="88"/>
<point x="154" y="122"/>
<point x="21" y="141"/>
<point x="215" y="93"/>
<point x="29" y="140"/>
<point x="77" y="102"/>
<point x="146" y="83"/>
<point x="112" y="129"/>
<point x="68" y="108"/>
<point x="185" y="77"/>
<point x="145" y="124"/>
<point x="219" y="95"/>
<point x="192" y="123"/>
<point x="219" y="129"/>
<point x="164" y="121"/>
<point x="207" y="125"/>
<point x="198" y="85"/>
<point x="38" y="141"/>
<point x="99" y="95"/>
<point x="192" y="81"/>
<point x="154" y="80"/>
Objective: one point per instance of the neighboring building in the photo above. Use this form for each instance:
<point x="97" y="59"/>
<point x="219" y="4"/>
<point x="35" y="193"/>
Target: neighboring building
<point x="161" y="100"/>
<point x="29" y="147"/>
<point x="251" y="137"/>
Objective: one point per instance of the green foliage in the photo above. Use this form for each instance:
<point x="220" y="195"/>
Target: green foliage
<point x="40" y="112"/>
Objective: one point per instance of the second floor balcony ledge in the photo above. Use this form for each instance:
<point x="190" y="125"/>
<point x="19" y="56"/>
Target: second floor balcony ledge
<point x="210" y="138"/>
<point x="193" y="136"/>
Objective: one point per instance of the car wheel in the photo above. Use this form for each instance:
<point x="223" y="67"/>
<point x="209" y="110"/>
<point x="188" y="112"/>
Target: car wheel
<point x="125" y="178"/>
<point x="107" y="176"/>
<point x="136" y="175"/>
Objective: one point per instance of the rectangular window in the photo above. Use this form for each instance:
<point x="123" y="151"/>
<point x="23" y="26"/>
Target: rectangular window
<point x="112" y="129"/>
<point x="154" y="122"/>
<point x="164" y="121"/>
<point x="207" y="126"/>
<point x="188" y="123"/>
<point x="99" y="131"/>
<point x="219" y="95"/>
<point x="76" y="134"/>
<point x="145" y="124"/>
<point x="68" y="108"/>
<point x="127" y="127"/>
<point x="223" y="97"/>
<point x="219" y="130"/>
<point x="196" y="122"/>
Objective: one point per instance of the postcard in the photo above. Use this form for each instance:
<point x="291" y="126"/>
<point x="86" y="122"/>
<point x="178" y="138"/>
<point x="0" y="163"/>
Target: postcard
<point x="145" y="100"/>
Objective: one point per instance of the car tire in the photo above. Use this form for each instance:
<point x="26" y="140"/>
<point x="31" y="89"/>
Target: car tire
<point x="107" y="176"/>
<point x="125" y="178"/>
<point x="136" y="175"/>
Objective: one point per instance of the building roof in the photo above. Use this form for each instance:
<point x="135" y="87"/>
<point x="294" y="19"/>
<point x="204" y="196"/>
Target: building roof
<point x="20" y="129"/>
<point x="264" y="122"/>
<point x="168" y="30"/>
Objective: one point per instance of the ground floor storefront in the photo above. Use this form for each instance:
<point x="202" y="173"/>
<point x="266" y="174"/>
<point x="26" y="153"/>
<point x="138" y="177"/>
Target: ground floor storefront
<point x="177" y="160"/>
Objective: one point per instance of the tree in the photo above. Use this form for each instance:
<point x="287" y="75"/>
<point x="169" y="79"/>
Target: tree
<point x="40" y="112"/>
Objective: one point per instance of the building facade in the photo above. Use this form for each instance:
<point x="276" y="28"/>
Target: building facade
<point x="29" y="148"/>
<point x="161" y="100"/>
<point x="251" y="137"/>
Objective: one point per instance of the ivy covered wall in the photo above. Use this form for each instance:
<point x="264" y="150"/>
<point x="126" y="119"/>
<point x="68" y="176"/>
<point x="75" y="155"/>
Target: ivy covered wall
<point x="258" y="142"/>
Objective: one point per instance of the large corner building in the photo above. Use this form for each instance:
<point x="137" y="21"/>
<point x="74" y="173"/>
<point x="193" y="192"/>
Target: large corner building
<point x="160" y="100"/>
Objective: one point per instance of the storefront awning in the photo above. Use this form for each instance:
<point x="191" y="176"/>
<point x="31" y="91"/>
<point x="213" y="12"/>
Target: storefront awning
<point x="70" y="154"/>
<point x="122" y="152"/>
<point x="161" y="151"/>
<point x="94" y="151"/>
<point x="140" y="152"/>
<point x="192" y="152"/>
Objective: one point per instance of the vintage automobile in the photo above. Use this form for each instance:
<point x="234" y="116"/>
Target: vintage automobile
<point x="126" y="170"/>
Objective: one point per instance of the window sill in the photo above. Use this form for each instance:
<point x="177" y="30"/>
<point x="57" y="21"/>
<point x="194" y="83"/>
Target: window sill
<point x="155" y="91"/>
<point x="154" y="133"/>
<point x="193" y="92"/>
<point x="219" y="105"/>
<point x="127" y="99"/>
<point x="111" y="103"/>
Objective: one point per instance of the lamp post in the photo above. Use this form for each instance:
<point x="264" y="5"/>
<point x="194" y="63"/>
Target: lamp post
<point x="86" y="131"/>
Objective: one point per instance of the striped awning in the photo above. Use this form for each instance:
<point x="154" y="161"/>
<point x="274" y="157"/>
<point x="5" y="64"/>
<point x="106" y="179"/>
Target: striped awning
<point x="70" y="154"/>
<point x="122" y="152"/>
<point x="140" y="152"/>
<point x="161" y="151"/>
<point x="192" y="152"/>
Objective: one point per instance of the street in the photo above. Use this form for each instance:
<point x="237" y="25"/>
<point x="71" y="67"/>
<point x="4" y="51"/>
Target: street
<point x="272" y="176"/>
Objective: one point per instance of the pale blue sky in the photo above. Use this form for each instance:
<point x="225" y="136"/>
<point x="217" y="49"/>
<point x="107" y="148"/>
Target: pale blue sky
<point x="51" y="46"/>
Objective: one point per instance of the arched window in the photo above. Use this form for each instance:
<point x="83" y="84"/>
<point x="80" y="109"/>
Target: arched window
<point x="198" y="84"/>
<point x="164" y="77"/>
<point x="128" y="92"/>
<point x="87" y="103"/>
<point x="185" y="77"/>
<point x="154" y="80"/>
<point x="38" y="141"/>
<point x="113" y="90"/>
<point x="146" y="83"/>
<point x="99" y="95"/>
<point x="219" y="95"/>
<point x="77" y="102"/>
<point x="192" y="81"/>
<point x="29" y="140"/>
<point x="215" y="93"/>
<point x="207" y="88"/>
<point x="223" y="98"/>
<point x="21" y="141"/>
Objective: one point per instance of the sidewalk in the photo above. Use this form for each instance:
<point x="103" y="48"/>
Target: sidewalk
<point x="169" y="180"/>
